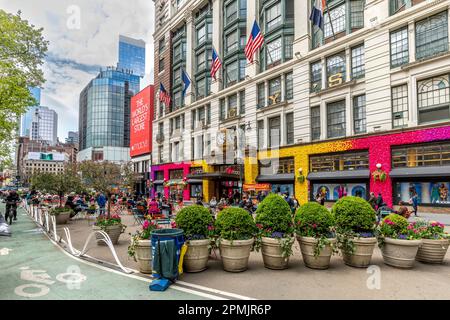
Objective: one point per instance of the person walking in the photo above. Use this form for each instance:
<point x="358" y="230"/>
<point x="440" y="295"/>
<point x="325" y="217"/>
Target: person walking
<point x="415" y="202"/>
<point x="379" y="202"/>
<point x="11" y="205"/>
<point x="101" y="201"/>
<point x="372" y="200"/>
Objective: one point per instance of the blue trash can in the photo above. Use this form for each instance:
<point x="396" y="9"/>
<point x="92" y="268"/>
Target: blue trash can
<point x="167" y="234"/>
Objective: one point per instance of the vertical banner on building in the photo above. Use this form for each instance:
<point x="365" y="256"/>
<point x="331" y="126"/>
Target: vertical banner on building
<point x="141" y="122"/>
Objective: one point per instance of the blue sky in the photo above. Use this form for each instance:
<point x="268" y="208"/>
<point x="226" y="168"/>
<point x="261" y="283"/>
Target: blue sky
<point x="84" y="36"/>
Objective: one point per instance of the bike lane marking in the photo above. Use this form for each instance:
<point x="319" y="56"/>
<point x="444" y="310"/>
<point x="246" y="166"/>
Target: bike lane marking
<point x="33" y="251"/>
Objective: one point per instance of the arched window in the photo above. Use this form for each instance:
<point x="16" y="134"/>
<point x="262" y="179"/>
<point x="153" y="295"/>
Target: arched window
<point x="433" y="99"/>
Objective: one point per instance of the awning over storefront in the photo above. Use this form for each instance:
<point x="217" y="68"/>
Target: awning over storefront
<point x="339" y="175"/>
<point x="285" y="177"/>
<point x="420" y="172"/>
<point x="158" y="182"/>
<point x="214" y="176"/>
<point x="194" y="181"/>
<point x="256" y="187"/>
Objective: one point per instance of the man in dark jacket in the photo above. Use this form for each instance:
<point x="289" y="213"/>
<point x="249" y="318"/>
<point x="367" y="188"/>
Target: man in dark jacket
<point x="11" y="203"/>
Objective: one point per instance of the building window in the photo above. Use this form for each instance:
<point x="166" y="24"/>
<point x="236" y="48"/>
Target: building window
<point x="161" y="64"/>
<point x="337" y="19"/>
<point x="357" y="13"/>
<point x="222" y="111"/>
<point x="162" y="45"/>
<point x="274" y="91"/>
<point x="242" y="66"/>
<point x="432" y="36"/>
<point x="261" y="135"/>
<point x="232" y="106"/>
<point x="276" y="166"/>
<point x="399" y="47"/>
<point x="359" y="113"/>
<point x="336" y="69"/>
<point x="358" y="63"/>
<point x="273" y="53"/>
<point x="231" y="72"/>
<point x="201" y="88"/>
<point x="316" y="76"/>
<point x="399" y="106"/>
<point x="397" y="5"/>
<point x="430" y="154"/>
<point x="231" y="12"/>
<point x="261" y="95"/>
<point x="315" y="123"/>
<point x="201" y="34"/>
<point x="336" y="119"/>
<point x="289" y="86"/>
<point x="274" y="132"/>
<point x="340" y="162"/>
<point x="273" y="17"/>
<point x="242" y="102"/>
<point x="231" y="42"/>
<point x="290" y="128"/>
<point x="201" y="61"/>
<point x="288" y="47"/>
<point x="434" y="99"/>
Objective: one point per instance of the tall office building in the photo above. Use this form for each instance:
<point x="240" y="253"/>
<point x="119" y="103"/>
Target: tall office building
<point x="27" y="118"/>
<point x="44" y="125"/>
<point x="317" y="110"/>
<point x="72" y="137"/>
<point x="132" y="55"/>
<point x="104" y="116"/>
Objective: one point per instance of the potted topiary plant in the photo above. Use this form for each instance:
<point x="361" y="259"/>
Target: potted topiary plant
<point x="314" y="227"/>
<point x="62" y="214"/>
<point x="399" y="241"/>
<point x="274" y="221"/>
<point x="235" y="229"/>
<point x="196" y="222"/>
<point x="141" y="246"/>
<point x="112" y="225"/>
<point x="435" y="241"/>
<point x="355" y="227"/>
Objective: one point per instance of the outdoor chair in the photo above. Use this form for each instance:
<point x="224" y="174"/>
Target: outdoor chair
<point x="139" y="216"/>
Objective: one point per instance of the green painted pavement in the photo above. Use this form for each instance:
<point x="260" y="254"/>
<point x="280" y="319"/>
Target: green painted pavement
<point x="31" y="250"/>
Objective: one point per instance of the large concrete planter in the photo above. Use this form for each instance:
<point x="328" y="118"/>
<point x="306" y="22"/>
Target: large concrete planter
<point x="143" y="254"/>
<point x="362" y="254"/>
<point x="196" y="257"/>
<point x="307" y="245"/>
<point x="235" y="254"/>
<point x="113" y="232"/>
<point x="400" y="253"/>
<point x="432" y="251"/>
<point x="62" y="217"/>
<point x="272" y="254"/>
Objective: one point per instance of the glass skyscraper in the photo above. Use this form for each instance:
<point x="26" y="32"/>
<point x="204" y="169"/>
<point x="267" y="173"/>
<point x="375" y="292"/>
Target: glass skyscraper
<point x="132" y="55"/>
<point x="44" y="125"/>
<point x="27" y="118"/>
<point x="105" y="112"/>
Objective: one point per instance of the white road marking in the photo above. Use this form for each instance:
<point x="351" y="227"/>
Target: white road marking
<point x="5" y="251"/>
<point x="20" y="290"/>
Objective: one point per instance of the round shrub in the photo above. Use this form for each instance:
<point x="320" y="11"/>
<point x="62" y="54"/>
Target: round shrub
<point x="235" y="224"/>
<point x="274" y="214"/>
<point x="396" y="222"/>
<point x="313" y="220"/>
<point x="194" y="220"/>
<point x="354" y="214"/>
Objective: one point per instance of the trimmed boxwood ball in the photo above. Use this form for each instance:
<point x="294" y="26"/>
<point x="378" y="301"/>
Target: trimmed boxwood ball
<point x="274" y="213"/>
<point x="354" y="214"/>
<point x="400" y="222"/>
<point x="313" y="220"/>
<point x="235" y="224"/>
<point x="194" y="220"/>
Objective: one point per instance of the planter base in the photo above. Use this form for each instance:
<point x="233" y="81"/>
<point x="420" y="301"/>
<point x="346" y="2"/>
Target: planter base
<point x="197" y="255"/>
<point x="432" y="251"/>
<point x="400" y="253"/>
<point x="235" y="254"/>
<point x="144" y="256"/>
<point x="113" y="232"/>
<point x="307" y="245"/>
<point x="272" y="254"/>
<point x="362" y="254"/>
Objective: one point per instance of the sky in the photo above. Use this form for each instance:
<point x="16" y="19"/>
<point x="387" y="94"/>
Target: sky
<point x="84" y="36"/>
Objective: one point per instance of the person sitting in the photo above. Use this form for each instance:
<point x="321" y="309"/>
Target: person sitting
<point x="153" y="208"/>
<point x="403" y="211"/>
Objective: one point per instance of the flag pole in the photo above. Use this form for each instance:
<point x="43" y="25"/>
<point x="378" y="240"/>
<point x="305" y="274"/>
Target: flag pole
<point x="331" y="23"/>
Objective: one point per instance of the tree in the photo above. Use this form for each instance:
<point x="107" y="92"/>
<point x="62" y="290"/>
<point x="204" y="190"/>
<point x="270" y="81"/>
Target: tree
<point x="58" y="183"/>
<point x="22" y="53"/>
<point x="107" y="176"/>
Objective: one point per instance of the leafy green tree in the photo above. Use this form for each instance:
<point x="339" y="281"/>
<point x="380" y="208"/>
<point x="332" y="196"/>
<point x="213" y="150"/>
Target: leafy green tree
<point x="58" y="183"/>
<point x="107" y="176"/>
<point x="22" y="53"/>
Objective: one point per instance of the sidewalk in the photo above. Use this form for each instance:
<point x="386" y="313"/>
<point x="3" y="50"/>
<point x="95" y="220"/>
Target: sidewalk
<point x="34" y="268"/>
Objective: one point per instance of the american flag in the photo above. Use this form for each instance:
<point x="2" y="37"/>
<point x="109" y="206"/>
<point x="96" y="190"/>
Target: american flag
<point x="255" y="41"/>
<point x="216" y="64"/>
<point x="163" y="95"/>
<point x="317" y="13"/>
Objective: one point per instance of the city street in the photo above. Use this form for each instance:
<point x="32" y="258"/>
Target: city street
<point x="298" y="282"/>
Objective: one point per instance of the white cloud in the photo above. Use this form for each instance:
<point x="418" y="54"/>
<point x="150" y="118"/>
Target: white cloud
<point x="75" y="55"/>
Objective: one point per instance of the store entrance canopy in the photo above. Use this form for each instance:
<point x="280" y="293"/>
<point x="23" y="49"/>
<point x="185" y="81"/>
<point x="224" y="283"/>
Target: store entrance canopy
<point x="420" y="172"/>
<point x="256" y="187"/>
<point x="221" y="176"/>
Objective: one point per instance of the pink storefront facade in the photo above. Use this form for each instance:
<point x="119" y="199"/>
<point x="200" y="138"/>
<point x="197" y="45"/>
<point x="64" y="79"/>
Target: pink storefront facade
<point x="169" y="179"/>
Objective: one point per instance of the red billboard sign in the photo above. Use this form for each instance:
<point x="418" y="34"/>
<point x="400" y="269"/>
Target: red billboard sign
<point x="141" y="122"/>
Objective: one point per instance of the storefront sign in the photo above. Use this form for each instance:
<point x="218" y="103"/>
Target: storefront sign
<point x="141" y="122"/>
<point x="257" y="187"/>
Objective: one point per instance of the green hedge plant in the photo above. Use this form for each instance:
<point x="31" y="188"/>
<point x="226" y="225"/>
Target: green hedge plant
<point x="196" y="222"/>
<point x="355" y="217"/>
<point x="235" y="224"/>
<point x="316" y="221"/>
